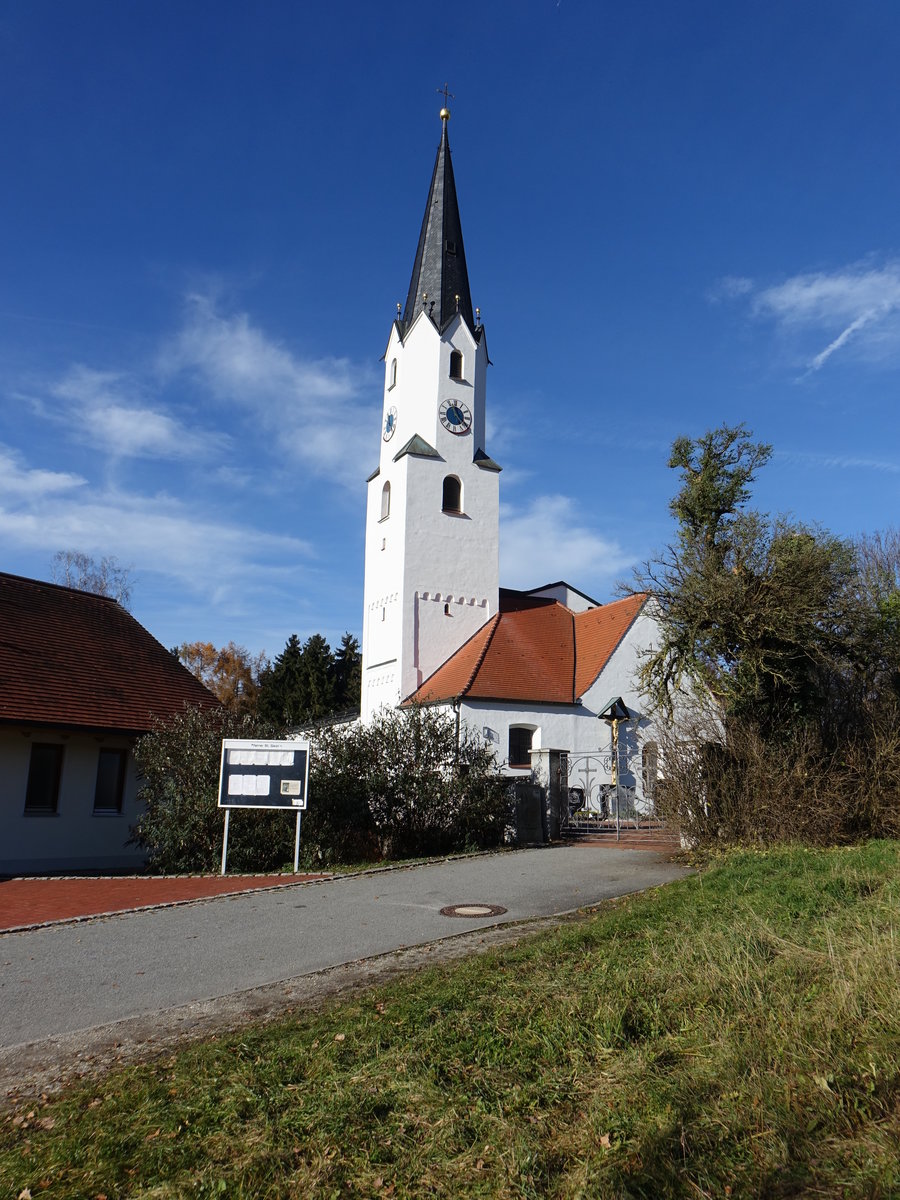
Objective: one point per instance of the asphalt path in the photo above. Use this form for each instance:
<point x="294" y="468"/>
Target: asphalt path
<point x="68" y="978"/>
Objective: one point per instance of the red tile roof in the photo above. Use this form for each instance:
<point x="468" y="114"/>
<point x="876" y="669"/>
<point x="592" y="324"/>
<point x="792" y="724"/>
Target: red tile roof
<point x="540" y="652"/>
<point x="74" y="660"/>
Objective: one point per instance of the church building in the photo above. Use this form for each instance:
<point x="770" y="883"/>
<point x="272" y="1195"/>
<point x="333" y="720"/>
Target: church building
<point x="545" y="670"/>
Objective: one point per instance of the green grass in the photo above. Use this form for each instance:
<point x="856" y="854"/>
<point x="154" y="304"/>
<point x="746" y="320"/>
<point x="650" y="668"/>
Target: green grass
<point x="734" y="1034"/>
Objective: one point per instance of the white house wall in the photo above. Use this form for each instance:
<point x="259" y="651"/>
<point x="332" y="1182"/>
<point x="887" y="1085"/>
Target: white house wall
<point x="74" y="838"/>
<point x="577" y="728"/>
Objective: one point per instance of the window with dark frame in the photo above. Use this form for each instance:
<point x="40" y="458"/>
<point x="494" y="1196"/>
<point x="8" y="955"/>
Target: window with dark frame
<point x="520" y="740"/>
<point x="44" y="773"/>
<point x="110" y="789"/>
<point x="451" y="501"/>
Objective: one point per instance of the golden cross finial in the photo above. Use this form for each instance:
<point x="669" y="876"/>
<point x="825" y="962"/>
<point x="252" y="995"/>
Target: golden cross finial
<point x="448" y="95"/>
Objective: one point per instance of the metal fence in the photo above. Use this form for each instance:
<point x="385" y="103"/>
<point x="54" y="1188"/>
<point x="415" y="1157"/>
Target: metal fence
<point x="603" y="801"/>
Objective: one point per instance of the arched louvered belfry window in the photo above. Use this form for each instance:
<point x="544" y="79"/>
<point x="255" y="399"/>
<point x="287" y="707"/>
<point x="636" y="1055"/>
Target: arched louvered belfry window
<point x="451" y="501"/>
<point x="456" y="364"/>
<point x="385" y="501"/>
<point x="392" y="380"/>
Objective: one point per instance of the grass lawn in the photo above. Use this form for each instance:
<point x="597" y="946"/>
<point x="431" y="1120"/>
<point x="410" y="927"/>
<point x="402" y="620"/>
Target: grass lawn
<point x="734" y="1034"/>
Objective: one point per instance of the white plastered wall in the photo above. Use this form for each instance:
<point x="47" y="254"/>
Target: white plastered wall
<point x="74" y="838"/>
<point x="577" y="728"/>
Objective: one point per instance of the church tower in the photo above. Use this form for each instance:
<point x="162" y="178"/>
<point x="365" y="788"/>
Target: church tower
<point x="432" y="520"/>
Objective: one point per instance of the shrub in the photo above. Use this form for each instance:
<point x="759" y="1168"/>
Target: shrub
<point x="181" y="826"/>
<point x="747" y="789"/>
<point x="408" y="783"/>
<point x="411" y="784"/>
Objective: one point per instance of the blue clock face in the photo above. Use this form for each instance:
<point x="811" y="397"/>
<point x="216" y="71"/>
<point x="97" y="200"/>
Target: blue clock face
<point x="390" y="424"/>
<point x="455" y="416"/>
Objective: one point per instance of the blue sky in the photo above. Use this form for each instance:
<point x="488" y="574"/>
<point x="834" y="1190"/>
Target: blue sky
<point x="675" y="214"/>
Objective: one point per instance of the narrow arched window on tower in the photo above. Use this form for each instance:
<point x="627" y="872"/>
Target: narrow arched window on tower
<point x="385" y="501"/>
<point x="451" y="501"/>
<point x="392" y="375"/>
<point x="456" y="364"/>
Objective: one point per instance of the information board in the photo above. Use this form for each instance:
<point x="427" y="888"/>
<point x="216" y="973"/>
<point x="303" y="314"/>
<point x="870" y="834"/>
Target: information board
<point x="264" y="774"/>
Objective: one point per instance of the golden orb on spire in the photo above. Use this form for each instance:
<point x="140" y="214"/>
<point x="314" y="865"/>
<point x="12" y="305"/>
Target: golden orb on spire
<point x="445" y="114"/>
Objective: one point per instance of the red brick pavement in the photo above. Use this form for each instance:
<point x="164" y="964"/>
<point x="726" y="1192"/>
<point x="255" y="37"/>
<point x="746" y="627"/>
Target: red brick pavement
<point x="25" y="902"/>
<point x="658" y="841"/>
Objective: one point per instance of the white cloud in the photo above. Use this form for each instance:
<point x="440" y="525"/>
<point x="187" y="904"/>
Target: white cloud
<point x="731" y="288"/>
<point x="840" y="462"/>
<point x="855" y="309"/>
<point x="552" y="540"/>
<point x="310" y="407"/>
<point x="32" y="484"/>
<point x="42" y="510"/>
<point x="100" y="408"/>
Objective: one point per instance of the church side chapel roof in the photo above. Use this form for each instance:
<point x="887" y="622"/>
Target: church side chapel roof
<point x="535" y="650"/>
<point x="439" y="270"/>
<point x="75" y="660"/>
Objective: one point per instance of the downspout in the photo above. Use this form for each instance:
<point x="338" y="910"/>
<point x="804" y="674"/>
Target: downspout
<point x="456" y="705"/>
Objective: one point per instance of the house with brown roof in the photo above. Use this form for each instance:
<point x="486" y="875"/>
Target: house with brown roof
<point x="80" y="681"/>
<point x="541" y="674"/>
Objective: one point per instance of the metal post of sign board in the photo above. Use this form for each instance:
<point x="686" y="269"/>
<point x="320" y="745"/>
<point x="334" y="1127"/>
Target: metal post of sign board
<point x="225" y="840"/>
<point x="297" y="844"/>
<point x="615" y="760"/>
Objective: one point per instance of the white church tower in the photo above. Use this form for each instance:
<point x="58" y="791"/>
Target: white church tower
<point x="432" y="520"/>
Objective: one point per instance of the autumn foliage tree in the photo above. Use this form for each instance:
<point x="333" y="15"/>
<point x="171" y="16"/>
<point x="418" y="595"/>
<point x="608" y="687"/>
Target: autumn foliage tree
<point x="231" y="672"/>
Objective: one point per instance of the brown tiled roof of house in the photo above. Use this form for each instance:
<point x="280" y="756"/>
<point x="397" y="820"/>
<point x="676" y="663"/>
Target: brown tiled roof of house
<point x="74" y="660"/>
<point x="540" y="653"/>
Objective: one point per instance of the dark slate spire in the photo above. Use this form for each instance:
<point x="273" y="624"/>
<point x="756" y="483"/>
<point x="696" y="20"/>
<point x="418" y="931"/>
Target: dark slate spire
<point x="440" y="267"/>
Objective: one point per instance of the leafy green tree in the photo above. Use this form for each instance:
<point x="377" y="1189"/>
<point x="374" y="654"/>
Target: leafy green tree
<point x="347" y="674"/>
<point x="309" y="682"/>
<point x="317" y="694"/>
<point x="281" y="686"/>
<point x="760" y="612"/>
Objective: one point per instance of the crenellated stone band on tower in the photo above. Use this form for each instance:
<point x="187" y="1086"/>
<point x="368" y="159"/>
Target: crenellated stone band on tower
<point x="432" y="519"/>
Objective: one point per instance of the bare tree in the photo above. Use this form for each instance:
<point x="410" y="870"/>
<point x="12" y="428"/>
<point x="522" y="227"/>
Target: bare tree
<point x="105" y="578"/>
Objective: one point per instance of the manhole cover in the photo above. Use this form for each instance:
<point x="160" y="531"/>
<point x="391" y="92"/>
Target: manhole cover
<point x="472" y="910"/>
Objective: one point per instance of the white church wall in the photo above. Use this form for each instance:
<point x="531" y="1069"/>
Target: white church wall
<point x="563" y="592"/>
<point x="578" y="728"/>
<point x="556" y="727"/>
<point x="432" y="577"/>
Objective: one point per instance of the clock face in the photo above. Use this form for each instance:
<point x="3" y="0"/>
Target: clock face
<point x="390" y="424"/>
<point x="456" y="416"/>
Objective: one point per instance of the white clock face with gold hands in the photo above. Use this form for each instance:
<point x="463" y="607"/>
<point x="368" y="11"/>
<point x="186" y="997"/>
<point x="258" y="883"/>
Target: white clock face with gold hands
<point x="456" y="416"/>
